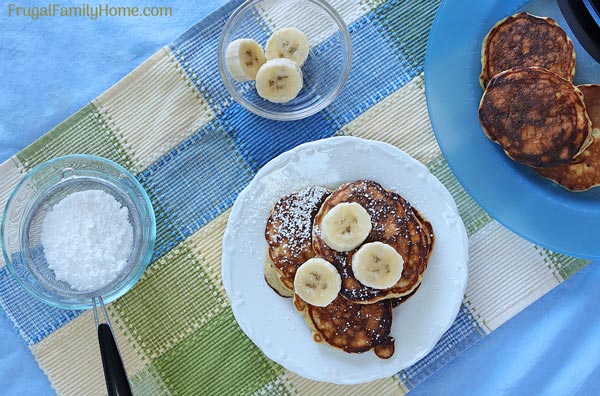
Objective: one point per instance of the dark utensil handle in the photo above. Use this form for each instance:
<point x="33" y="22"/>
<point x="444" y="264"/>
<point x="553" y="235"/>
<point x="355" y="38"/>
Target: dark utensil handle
<point x="114" y="371"/>
<point x="583" y="24"/>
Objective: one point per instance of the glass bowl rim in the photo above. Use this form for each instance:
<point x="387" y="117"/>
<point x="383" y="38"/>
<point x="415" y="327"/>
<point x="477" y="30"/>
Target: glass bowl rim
<point x="298" y="114"/>
<point x="144" y="258"/>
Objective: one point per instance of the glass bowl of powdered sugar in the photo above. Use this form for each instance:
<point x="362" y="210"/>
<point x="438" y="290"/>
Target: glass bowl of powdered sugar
<point x="75" y="228"/>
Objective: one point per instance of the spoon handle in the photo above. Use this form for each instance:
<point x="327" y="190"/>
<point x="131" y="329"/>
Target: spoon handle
<point x="115" y="376"/>
<point x="114" y="371"/>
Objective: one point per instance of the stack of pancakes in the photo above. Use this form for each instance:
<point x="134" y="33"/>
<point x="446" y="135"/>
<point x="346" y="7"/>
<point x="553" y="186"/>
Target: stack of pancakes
<point x="360" y="318"/>
<point x="530" y="106"/>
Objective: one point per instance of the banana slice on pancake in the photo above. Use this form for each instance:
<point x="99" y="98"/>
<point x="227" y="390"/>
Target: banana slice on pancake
<point x="394" y="222"/>
<point x="377" y="265"/>
<point x="289" y="237"/>
<point x="346" y="226"/>
<point x="317" y="282"/>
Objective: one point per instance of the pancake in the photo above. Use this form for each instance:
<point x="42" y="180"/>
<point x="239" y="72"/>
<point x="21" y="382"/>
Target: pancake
<point x="396" y="302"/>
<point x="353" y="328"/>
<point x="537" y="117"/>
<point x="288" y="234"/>
<point x="274" y="277"/>
<point x="394" y="222"/>
<point x="591" y="98"/>
<point x="526" y="40"/>
<point x="584" y="172"/>
<point x="428" y="228"/>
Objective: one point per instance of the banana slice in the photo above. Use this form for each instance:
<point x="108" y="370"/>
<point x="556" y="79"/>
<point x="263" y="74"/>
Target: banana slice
<point x="288" y="43"/>
<point x="377" y="265"/>
<point x="345" y="226"/>
<point x="279" y="80"/>
<point x="244" y="57"/>
<point x="317" y="282"/>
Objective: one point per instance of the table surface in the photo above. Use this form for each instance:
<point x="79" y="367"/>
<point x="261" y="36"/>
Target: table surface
<point x="51" y="67"/>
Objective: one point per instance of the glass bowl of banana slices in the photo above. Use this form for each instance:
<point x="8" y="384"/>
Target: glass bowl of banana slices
<point x="284" y="59"/>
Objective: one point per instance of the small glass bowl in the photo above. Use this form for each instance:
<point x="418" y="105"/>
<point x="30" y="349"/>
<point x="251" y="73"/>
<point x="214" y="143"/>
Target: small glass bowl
<point x="38" y="192"/>
<point x="325" y="71"/>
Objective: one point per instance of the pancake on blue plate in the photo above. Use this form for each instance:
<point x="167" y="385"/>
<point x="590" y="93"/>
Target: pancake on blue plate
<point x="526" y="40"/>
<point x="584" y="172"/>
<point x="538" y="117"/>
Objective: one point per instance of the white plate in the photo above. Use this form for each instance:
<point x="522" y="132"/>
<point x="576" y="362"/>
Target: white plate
<point x="273" y="324"/>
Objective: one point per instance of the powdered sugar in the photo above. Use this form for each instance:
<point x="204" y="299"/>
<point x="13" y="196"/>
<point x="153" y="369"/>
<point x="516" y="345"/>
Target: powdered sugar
<point x="87" y="239"/>
<point x="294" y="219"/>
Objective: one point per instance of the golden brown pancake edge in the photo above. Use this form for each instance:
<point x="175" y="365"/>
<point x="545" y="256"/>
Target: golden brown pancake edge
<point x="540" y="41"/>
<point x="350" y="327"/>
<point x="395" y="223"/>
<point x="584" y="172"/>
<point x="289" y="236"/>
<point x="527" y="110"/>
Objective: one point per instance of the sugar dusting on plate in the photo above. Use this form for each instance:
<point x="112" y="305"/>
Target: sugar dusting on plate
<point x="87" y="239"/>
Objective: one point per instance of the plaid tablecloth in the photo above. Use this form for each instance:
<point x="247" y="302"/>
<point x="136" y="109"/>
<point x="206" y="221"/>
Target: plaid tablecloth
<point x="172" y="123"/>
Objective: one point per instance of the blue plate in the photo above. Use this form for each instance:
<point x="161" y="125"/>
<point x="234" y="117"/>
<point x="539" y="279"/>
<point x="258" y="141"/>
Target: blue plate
<point x="513" y="194"/>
